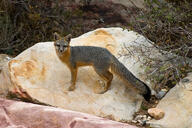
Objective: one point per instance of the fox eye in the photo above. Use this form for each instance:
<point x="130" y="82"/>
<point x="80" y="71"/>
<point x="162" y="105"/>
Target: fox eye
<point x="57" y="45"/>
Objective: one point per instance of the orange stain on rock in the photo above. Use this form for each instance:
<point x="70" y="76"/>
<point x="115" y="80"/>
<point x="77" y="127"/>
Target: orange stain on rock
<point x="101" y="39"/>
<point x="30" y="70"/>
<point x="43" y="71"/>
<point x="102" y="32"/>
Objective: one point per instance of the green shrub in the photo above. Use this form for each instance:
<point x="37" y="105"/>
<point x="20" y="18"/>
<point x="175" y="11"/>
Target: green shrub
<point x="169" y="26"/>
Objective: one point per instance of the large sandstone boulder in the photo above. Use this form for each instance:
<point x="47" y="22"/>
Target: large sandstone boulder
<point x="39" y="76"/>
<point x="15" y="114"/>
<point x="177" y="106"/>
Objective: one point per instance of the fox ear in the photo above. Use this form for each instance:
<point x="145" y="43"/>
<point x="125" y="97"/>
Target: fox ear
<point x="68" y="38"/>
<point x="56" y="36"/>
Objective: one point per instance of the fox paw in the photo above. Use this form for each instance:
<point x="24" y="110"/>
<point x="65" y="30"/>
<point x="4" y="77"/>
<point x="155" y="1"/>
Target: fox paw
<point x="71" y="88"/>
<point x="101" y="83"/>
<point x="102" y="91"/>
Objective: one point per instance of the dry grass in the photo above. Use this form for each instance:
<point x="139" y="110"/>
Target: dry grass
<point x="169" y="26"/>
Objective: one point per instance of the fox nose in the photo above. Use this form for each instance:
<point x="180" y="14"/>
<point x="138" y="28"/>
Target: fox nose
<point x="60" y="50"/>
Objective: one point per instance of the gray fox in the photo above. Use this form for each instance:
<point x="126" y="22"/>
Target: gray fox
<point x="101" y="60"/>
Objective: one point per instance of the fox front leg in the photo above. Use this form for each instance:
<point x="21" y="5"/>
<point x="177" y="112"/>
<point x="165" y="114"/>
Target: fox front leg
<point x="73" y="79"/>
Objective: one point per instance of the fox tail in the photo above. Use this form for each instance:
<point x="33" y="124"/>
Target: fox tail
<point x="119" y="69"/>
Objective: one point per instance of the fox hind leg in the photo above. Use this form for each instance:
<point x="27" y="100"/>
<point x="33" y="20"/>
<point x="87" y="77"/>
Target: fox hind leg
<point x="107" y="76"/>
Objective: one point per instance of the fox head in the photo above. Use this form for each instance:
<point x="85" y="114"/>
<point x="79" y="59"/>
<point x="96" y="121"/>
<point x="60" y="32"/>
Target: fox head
<point x="62" y="44"/>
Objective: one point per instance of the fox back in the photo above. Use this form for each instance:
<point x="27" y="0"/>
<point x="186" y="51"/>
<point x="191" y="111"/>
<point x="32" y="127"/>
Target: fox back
<point x="89" y="55"/>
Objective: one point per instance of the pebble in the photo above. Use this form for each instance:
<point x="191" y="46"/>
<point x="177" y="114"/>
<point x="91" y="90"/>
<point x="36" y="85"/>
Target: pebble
<point x="156" y="113"/>
<point x="148" y="118"/>
<point x="141" y="120"/>
<point x="138" y="117"/>
<point x="161" y="93"/>
<point x="134" y="121"/>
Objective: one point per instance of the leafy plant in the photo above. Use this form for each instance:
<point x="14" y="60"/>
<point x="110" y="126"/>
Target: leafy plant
<point x="169" y="26"/>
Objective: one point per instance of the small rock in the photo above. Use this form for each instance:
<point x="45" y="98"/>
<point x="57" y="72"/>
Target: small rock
<point x="134" y="121"/>
<point x="138" y="117"/>
<point x="141" y="122"/>
<point x="185" y="80"/>
<point x="156" y="113"/>
<point x="148" y="118"/>
<point x="161" y="93"/>
<point x="164" y="90"/>
<point x="144" y="117"/>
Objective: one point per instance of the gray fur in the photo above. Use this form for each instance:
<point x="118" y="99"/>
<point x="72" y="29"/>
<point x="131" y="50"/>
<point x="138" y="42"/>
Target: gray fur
<point x="99" y="57"/>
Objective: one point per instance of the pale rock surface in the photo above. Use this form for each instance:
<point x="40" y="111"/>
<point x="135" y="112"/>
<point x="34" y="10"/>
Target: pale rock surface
<point x="156" y="113"/>
<point x="126" y="3"/>
<point x="14" y="114"/>
<point x="3" y="66"/>
<point x="119" y="10"/>
<point x="177" y="105"/>
<point x="39" y="76"/>
<point x="3" y="60"/>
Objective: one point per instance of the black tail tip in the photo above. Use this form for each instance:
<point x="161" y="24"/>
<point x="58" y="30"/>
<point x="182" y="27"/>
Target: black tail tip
<point x="147" y="96"/>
